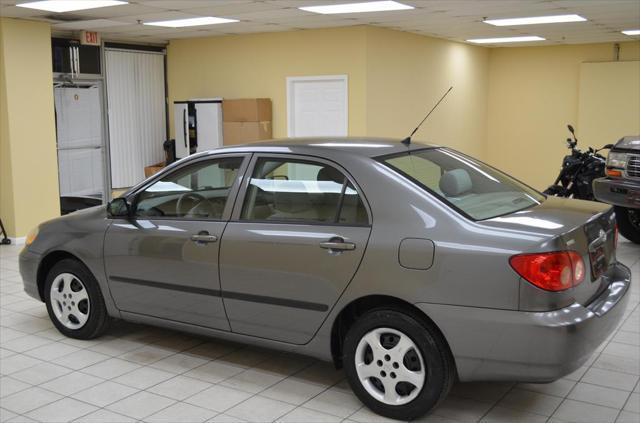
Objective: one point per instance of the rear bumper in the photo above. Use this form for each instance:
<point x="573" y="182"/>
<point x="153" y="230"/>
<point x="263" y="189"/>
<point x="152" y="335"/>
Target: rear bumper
<point x="28" y="264"/>
<point x="505" y="345"/>
<point x="619" y="192"/>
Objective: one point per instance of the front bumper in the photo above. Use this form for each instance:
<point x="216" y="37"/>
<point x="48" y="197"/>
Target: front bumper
<point x="619" y="192"/>
<point x="28" y="264"/>
<point x="508" y="345"/>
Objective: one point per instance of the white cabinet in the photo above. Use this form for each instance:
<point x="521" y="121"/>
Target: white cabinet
<point x="198" y="125"/>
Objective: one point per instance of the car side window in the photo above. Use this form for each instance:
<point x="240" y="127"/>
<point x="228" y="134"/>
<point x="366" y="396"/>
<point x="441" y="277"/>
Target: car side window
<point x="300" y="191"/>
<point x="197" y="191"/>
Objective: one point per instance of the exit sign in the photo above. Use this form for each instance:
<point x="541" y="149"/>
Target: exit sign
<point x="89" y="38"/>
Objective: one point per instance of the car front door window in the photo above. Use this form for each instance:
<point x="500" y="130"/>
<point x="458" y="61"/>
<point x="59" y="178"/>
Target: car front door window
<point x="197" y="191"/>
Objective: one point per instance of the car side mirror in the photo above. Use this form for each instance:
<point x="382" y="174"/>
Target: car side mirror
<point x="119" y="207"/>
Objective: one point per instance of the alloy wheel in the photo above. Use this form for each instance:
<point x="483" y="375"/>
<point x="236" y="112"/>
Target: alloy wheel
<point x="390" y="366"/>
<point x="634" y="218"/>
<point x="70" y="301"/>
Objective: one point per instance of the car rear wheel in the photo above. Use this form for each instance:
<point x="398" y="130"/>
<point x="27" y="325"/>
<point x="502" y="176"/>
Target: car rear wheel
<point x="629" y="223"/>
<point x="397" y="364"/>
<point x="74" y="301"/>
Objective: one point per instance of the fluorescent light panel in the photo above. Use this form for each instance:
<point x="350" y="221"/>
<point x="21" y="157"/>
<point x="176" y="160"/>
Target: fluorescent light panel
<point x="631" y="32"/>
<point x="373" y="6"/>
<point x="60" y="6"/>
<point x="506" y="40"/>
<point x="535" y="20"/>
<point x="181" y="23"/>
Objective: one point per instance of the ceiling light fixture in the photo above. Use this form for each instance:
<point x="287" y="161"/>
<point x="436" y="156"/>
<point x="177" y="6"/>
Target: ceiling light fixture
<point x="181" y="23"/>
<point x="506" y="39"/>
<point x="631" y="32"/>
<point x="373" y="6"/>
<point x="535" y="20"/>
<point x="61" y="6"/>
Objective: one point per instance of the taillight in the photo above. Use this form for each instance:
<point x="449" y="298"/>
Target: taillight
<point x="555" y="271"/>
<point x="616" y="234"/>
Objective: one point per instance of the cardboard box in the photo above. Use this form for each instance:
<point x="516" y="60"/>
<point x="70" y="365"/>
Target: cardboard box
<point x="235" y="133"/>
<point x="153" y="169"/>
<point x="246" y="110"/>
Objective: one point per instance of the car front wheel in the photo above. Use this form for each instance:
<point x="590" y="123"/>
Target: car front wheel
<point x="629" y="223"/>
<point x="74" y="301"/>
<point x="397" y="364"/>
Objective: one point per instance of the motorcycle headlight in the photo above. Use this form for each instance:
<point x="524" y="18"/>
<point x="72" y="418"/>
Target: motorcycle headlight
<point x="33" y="234"/>
<point x="617" y="160"/>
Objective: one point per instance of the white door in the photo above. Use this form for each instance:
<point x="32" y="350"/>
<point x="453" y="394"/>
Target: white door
<point x="79" y="138"/>
<point x="318" y="106"/>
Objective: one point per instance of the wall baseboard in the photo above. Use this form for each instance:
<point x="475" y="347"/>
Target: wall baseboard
<point x="18" y="241"/>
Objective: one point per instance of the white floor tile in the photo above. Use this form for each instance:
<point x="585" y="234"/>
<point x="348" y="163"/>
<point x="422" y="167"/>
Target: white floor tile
<point x="260" y="409"/>
<point x="181" y="412"/>
<point x="179" y="387"/>
<point x="218" y="398"/>
<point x="104" y="393"/>
<point x="144" y="377"/>
<point x="582" y="412"/>
<point x="29" y="399"/>
<point x="141" y="405"/>
<point x="65" y="410"/>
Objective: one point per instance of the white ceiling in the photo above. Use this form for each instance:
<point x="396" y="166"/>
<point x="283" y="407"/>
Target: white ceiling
<point x="450" y="19"/>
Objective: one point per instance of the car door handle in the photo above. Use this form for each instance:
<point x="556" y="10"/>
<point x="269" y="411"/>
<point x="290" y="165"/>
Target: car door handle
<point x="204" y="238"/>
<point x="338" y="245"/>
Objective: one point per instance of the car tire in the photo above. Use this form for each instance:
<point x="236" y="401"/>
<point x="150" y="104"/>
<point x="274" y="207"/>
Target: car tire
<point x="74" y="301"/>
<point x="375" y="371"/>
<point x="629" y="223"/>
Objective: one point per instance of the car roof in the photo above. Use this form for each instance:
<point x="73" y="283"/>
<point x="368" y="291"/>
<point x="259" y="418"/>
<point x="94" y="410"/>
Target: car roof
<point x="360" y="146"/>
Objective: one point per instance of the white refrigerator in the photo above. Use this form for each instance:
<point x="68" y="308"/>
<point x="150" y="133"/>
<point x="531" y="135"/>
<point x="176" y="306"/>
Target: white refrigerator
<point x="198" y="125"/>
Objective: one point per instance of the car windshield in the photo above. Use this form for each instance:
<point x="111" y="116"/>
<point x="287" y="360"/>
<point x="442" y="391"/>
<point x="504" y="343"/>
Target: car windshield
<point x="469" y="186"/>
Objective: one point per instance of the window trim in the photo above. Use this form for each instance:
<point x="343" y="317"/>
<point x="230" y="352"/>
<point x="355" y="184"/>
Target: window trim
<point x="383" y="161"/>
<point x="236" y="216"/>
<point x="134" y="196"/>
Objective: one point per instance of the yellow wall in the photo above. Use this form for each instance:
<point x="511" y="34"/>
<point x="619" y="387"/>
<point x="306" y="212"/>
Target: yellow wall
<point x="408" y="73"/>
<point x="256" y="65"/>
<point x="28" y="157"/>
<point x="609" y="101"/>
<point x="394" y="78"/>
<point x="533" y="94"/>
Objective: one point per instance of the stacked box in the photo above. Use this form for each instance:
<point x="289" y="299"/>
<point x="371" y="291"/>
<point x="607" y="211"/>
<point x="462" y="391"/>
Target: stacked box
<point x="246" y="120"/>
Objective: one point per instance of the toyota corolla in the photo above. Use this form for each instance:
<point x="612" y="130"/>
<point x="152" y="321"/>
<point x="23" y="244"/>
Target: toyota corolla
<point x="410" y="266"/>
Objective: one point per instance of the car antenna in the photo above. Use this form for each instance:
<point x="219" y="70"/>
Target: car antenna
<point x="407" y="140"/>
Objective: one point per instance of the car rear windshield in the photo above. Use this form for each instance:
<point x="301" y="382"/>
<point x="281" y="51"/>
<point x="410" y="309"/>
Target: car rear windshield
<point x="476" y="190"/>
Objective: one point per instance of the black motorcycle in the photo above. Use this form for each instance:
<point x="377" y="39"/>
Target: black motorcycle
<point x="579" y="169"/>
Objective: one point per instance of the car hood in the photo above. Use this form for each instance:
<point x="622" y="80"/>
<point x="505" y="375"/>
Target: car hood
<point x="554" y="216"/>
<point x="628" y="143"/>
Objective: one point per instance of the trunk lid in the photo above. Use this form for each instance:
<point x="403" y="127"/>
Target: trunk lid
<point x="586" y="227"/>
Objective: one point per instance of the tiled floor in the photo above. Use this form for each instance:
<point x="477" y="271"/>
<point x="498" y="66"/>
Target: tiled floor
<point x="140" y="373"/>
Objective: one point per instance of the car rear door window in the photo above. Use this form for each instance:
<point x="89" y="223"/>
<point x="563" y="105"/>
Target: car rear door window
<point x="197" y="191"/>
<point x="302" y="191"/>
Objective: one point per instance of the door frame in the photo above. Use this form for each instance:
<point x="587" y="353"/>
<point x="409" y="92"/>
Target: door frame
<point x="290" y="96"/>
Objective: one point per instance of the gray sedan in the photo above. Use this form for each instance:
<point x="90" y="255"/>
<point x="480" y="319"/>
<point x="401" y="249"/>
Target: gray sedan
<point x="409" y="266"/>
